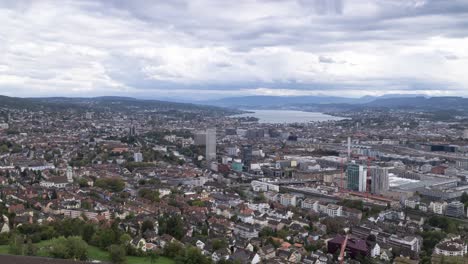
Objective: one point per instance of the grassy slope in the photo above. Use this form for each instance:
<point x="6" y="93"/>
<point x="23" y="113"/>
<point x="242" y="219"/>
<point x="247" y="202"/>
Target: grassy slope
<point x="96" y="254"/>
<point x="4" y="249"/>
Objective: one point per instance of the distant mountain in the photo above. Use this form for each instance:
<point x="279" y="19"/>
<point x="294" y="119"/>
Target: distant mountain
<point x="283" y="101"/>
<point x="435" y="103"/>
<point x="293" y="101"/>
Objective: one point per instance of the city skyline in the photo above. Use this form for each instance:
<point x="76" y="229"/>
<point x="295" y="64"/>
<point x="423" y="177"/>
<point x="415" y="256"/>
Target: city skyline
<point x="283" y="48"/>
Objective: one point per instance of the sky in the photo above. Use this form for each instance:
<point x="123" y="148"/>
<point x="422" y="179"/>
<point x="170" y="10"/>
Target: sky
<point x="205" y="49"/>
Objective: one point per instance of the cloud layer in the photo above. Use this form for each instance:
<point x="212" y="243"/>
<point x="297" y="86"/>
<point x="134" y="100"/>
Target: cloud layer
<point x="206" y="48"/>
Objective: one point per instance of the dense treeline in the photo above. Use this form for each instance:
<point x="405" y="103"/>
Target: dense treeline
<point x="69" y="239"/>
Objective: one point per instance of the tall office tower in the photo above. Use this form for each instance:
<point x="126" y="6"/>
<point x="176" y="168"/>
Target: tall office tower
<point x="210" y="140"/>
<point x="379" y="179"/>
<point x="247" y="154"/>
<point x="132" y="131"/>
<point x="200" y="138"/>
<point x="356" y="175"/>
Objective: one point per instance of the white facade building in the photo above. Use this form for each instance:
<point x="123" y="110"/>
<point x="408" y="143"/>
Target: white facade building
<point x="310" y="204"/>
<point x="288" y="199"/>
<point x="259" y="186"/>
<point x="438" y="207"/>
<point x="138" y="157"/>
<point x="334" y="210"/>
<point x="451" y="247"/>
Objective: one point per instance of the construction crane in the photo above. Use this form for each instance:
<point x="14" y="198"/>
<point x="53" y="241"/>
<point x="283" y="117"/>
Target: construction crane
<point x="342" y="251"/>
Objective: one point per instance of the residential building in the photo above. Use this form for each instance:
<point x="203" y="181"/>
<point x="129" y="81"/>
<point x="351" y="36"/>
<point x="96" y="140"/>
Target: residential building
<point x="138" y="157"/>
<point x="412" y="202"/>
<point x="288" y="199"/>
<point x="310" y="204"/>
<point x="455" y="209"/>
<point x="409" y="243"/>
<point x="451" y="247"/>
<point x="438" y="207"/>
<point x="334" y="210"/>
<point x="245" y="231"/>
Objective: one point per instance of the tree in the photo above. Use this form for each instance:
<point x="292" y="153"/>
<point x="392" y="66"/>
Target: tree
<point x="334" y="225"/>
<point x="83" y="183"/>
<point x="111" y="184"/>
<point x="104" y="237"/>
<point x="78" y="248"/>
<point x="356" y="204"/>
<point x="4" y="238"/>
<point x="224" y="261"/>
<point x="30" y="249"/>
<point x="147" y="225"/>
<point x="86" y="205"/>
<point x="172" y="225"/>
<point x="219" y="244"/>
<point x="448" y="225"/>
<point x="118" y="254"/>
<point x="267" y="232"/>
<point x="152" y="195"/>
<point x="464" y="198"/>
<point x="16" y="246"/>
<point x="260" y="198"/>
<point x="4" y="149"/>
<point x="192" y="256"/>
<point x="153" y="256"/>
<point x="88" y="232"/>
<point x="69" y="227"/>
<point x="125" y="239"/>
<point x="430" y="239"/>
<point x="73" y="247"/>
<point x="173" y="249"/>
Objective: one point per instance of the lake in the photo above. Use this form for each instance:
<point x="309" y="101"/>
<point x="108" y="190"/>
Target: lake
<point x="288" y="116"/>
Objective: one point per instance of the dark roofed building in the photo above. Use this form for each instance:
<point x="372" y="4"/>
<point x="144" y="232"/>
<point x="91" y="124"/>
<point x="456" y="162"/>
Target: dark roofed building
<point x="354" y="247"/>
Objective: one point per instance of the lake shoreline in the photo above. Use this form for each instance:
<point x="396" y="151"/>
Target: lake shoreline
<point x="287" y="116"/>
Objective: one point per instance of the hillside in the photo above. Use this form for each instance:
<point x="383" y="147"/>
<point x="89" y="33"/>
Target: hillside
<point x="108" y="103"/>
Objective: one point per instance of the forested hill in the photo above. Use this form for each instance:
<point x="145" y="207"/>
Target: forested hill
<point x="108" y="103"/>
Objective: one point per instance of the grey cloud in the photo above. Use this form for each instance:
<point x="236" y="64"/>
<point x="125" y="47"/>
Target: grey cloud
<point x="325" y="59"/>
<point x="201" y="44"/>
<point x="451" y="57"/>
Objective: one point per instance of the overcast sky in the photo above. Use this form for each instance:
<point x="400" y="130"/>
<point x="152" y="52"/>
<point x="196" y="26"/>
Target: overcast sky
<point x="217" y="48"/>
